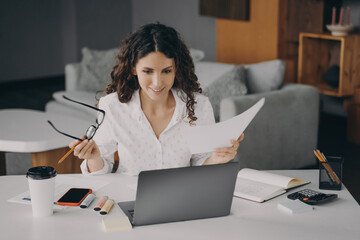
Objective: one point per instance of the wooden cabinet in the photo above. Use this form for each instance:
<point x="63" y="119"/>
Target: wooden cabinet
<point x="272" y="32"/>
<point x="318" y="52"/>
<point x="353" y="119"/>
<point x="229" y="9"/>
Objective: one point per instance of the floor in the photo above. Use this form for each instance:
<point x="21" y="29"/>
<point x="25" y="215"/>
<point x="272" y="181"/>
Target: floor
<point x="33" y="94"/>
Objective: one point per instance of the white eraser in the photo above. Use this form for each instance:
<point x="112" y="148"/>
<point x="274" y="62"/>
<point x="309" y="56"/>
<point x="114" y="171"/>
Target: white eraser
<point x="116" y="224"/>
<point x="294" y="206"/>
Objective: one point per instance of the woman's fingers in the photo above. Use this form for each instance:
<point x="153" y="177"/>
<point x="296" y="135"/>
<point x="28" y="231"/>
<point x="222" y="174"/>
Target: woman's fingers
<point x="242" y="136"/>
<point x="79" y="147"/>
<point x="235" y="144"/>
<point x="232" y="149"/>
<point x="229" y="150"/>
<point x="86" y="150"/>
<point x="76" y="142"/>
<point x="227" y="153"/>
<point x="223" y="155"/>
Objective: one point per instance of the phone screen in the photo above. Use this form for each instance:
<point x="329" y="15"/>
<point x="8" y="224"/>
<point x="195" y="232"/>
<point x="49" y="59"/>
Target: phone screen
<point x="74" y="196"/>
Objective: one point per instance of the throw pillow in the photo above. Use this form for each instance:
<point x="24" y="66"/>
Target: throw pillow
<point x="265" y="76"/>
<point x="95" y="68"/>
<point x="231" y="83"/>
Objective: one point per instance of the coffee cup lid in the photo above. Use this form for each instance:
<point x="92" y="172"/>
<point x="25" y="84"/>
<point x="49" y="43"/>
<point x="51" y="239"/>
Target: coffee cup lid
<point x="42" y="172"/>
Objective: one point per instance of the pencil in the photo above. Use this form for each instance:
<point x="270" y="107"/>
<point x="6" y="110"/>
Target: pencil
<point x="328" y="168"/>
<point x="67" y="154"/>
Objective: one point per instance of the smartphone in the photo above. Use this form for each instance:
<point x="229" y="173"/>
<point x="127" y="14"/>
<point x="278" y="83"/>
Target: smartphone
<point x="74" y="196"/>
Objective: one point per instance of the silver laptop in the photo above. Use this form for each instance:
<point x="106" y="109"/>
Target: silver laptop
<point x="179" y="194"/>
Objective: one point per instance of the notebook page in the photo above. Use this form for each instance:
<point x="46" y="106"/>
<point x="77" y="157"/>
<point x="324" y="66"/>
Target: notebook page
<point x="264" y="177"/>
<point x="256" y="191"/>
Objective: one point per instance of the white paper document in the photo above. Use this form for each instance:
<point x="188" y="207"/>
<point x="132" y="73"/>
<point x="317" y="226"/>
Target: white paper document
<point x="207" y="138"/>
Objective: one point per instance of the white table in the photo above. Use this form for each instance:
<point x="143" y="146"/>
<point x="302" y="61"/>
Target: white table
<point x="24" y="130"/>
<point x="248" y="220"/>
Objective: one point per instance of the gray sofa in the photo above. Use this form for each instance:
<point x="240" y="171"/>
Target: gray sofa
<point x="281" y="136"/>
<point x="284" y="133"/>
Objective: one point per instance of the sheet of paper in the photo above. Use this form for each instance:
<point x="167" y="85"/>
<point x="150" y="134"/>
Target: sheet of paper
<point x="62" y="185"/>
<point x="202" y="139"/>
<point x="265" y="177"/>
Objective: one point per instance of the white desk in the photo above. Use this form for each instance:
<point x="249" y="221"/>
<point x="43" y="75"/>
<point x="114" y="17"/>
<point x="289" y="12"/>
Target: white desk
<point x="248" y="220"/>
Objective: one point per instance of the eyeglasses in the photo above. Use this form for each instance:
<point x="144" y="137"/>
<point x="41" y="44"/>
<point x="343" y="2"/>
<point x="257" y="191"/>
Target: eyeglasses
<point x="90" y="132"/>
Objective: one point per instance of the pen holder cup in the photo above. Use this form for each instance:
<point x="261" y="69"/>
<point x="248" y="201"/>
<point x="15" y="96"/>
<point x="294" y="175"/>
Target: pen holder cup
<point x="330" y="177"/>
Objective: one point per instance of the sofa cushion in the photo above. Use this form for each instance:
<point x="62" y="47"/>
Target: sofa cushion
<point x="220" y="80"/>
<point x="96" y="66"/>
<point x="264" y="76"/>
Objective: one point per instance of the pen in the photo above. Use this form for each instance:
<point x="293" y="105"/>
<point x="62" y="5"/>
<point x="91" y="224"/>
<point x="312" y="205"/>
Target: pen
<point x="330" y="168"/>
<point x="317" y="154"/>
<point x="29" y="199"/>
<point x="327" y="166"/>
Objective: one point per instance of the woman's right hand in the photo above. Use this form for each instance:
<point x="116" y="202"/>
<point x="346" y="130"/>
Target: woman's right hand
<point x="86" y="149"/>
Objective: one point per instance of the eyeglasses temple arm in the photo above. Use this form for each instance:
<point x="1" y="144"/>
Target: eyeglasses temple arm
<point x="63" y="132"/>
<point x="84" y="104"/>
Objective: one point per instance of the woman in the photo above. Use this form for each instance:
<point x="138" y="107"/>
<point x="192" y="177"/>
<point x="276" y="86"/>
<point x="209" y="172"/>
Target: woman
<point x="153" y="94"/>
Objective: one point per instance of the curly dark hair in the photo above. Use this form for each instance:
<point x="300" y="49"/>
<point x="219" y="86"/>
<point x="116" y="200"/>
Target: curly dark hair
<point x="155" y="38"/>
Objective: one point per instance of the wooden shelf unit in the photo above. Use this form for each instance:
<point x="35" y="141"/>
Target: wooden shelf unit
<point x="318" y="52"/>
<point x="272" y="32"/>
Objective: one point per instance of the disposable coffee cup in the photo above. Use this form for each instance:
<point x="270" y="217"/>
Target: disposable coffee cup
<point x="42" y="186"/>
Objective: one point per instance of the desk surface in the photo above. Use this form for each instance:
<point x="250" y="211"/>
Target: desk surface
<point x="24" y="130"/>
<point x="248" y="220"/>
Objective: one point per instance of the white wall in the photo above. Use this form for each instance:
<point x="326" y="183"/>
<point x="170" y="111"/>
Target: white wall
<point x="197" y="31"/>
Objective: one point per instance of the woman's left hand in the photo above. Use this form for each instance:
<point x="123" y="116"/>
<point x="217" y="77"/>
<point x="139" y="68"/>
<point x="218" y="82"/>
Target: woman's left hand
<point x="224" y="155"/>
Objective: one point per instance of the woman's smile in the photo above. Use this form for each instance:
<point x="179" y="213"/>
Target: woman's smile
<point x="157" y="91"/>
